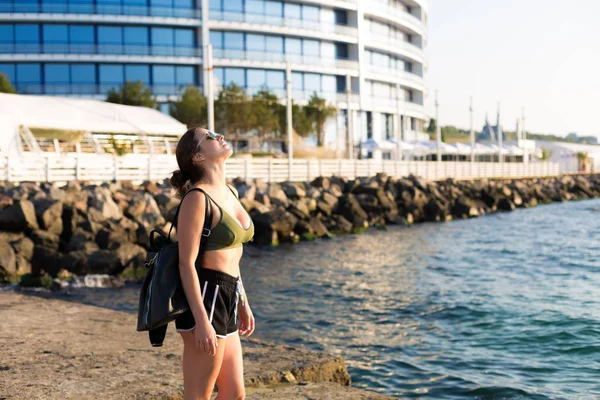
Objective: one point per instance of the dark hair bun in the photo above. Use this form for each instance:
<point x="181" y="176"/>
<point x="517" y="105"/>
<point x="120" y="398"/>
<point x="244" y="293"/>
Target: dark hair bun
<point x="179" y="181"/>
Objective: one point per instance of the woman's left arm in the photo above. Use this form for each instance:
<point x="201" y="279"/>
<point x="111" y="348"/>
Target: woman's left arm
<point x="247" y="323"/>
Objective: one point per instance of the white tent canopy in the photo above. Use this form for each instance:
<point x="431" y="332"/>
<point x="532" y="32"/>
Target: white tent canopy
<point x="69" y="114"/>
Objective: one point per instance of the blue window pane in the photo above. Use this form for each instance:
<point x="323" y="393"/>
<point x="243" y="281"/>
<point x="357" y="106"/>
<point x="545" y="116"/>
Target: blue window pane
<point x="297" y="81"/>
<point x="341" y="50"/>
<point x="9" y="71"/>
<point x="312" y="82"/>
<point x="183" y="3"/>
<point x="341" y="17"/>
<point x="184" y="38"/>
<point x="276" y="79"/>
<point x="55" y="34"/>
<point x="164" y="108"/>
<point x="29" y="73"/>
<point x="293" y="46"/>
<point x="161" y="3"/>
<point x="135" y="36"/>
<point x="274" y="8"/>
<point x="292" y="11"/>
<point x="163" y="75"/>
<point x="234" y="41"/>
<point x="311" y="47"/>
<point x="108" y="6"/>
<point x="27" y="33"/>
<point x="54" y="6"/>
<point x="136" y="73"/>
<point x="110" y="35"/>
<point x="7" y="33"/>
<point x="26" y="6"/>
<point x="81" y="34"/>
<point x="235" y="75"/>
<point x="184" y="76"/>
<point x="83" y="73"/>
<point x="216" y="39"/>
<point x="56" y="73"/>
<point x="135" y="2"/>
<point x="310" y="13"/>
<point x="219" y="76"/>
<point x="329" y="84"/>
<point x="111" y="74"/>
<point x="216" y="5"/>
<point x="275" y="44"/>
<point x="327" y="50"/>
<point x="255" y="42"/>
<point x="340" y="84"/>
<point x="255" y="6"/>
<point x="162" y="37"/>
<point x="256" y="78"/>
<point x="233" y="6"/>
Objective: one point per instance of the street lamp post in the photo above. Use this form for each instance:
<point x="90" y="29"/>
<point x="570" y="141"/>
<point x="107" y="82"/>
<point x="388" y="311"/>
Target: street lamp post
<point x="288" y="76"/>
<point x="438" y="131"/>
<point x="210" y="94"/>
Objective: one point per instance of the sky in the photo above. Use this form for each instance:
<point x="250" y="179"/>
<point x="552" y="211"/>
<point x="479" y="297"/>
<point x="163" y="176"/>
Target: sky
<point x="543" y="55"/>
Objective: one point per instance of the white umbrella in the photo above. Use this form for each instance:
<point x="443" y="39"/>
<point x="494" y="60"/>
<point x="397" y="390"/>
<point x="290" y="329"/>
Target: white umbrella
<point x="405" y="146"/>
<point x="372" y="144"/>
<point x="462" y="148"/>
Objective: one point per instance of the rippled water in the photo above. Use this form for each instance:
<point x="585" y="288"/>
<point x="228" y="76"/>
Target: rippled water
<point x="506" y="306"/>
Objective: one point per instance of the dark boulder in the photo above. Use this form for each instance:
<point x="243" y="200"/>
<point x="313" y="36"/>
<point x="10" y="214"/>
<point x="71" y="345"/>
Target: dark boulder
<point x="19" y="217"/>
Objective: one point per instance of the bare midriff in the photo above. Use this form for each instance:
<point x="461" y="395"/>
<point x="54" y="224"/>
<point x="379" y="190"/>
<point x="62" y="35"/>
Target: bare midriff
<point x="227" y="260"/>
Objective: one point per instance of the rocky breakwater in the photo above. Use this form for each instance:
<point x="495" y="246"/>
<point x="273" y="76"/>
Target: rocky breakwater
<point x="329" y="206"/>
<point x="49" y="235"/>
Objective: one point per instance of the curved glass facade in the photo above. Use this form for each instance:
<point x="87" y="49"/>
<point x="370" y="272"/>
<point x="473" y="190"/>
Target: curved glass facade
<point x="86" y="47"/>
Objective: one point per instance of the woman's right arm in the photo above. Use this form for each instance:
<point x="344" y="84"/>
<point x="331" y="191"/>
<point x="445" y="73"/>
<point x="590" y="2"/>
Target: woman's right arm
<point x="189" y="230"/>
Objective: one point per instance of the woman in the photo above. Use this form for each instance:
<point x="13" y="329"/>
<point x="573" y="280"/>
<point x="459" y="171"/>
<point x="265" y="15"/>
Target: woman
<point x="212" y="349"/>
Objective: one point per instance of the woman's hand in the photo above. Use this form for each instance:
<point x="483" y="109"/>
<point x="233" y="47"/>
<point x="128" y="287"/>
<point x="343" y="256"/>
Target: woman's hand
<point x="205" y="338"/>
<point x="246" y="319"/>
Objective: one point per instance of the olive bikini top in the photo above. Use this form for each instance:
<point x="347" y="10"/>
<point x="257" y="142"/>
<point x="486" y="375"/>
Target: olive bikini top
<point x="228" y="233"/>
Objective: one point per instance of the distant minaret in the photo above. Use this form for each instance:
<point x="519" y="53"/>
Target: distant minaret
<point x="498" y="127"/>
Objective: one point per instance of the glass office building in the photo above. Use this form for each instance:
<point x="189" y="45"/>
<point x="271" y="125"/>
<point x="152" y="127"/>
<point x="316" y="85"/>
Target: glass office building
<point x="363" y="55"/>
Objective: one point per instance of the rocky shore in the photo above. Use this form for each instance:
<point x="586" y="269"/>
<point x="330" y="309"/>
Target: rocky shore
<point x="51" y="235"/>
<point x="54" y="349"/>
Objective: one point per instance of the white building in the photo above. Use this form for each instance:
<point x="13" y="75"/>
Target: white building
<point x="365" y="56"/>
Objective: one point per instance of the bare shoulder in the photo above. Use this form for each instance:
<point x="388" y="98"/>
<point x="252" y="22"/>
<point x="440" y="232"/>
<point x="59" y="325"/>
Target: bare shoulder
<point x="193" y="203"/>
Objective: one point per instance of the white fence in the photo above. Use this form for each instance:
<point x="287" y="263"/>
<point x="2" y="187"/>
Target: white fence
<point x="140" y="167"/>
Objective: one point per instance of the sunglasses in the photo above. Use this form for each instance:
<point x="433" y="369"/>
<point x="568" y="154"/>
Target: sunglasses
<point x="213" y="136"/>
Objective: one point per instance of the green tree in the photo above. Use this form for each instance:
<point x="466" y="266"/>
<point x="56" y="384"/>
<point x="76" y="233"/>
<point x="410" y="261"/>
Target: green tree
<point x="301" y="123"/>
<point x="546" y="154"/>
<point x="432" y="125"/>
<point x="5" y="85"/>
<point x="191" y="109"/>
<point x="132" y="94"/>
<point x="265" y="109"/>
<point x="582" y="158"/>
<point x="233" y="111"/>
<point x="319" y="112"/>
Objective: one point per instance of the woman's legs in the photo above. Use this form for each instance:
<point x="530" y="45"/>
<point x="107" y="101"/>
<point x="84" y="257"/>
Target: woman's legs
<point x="200" y="370"/>
<point x="230" y="380"/>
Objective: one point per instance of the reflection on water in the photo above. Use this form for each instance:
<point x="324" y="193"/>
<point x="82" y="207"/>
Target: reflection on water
<point x="504" y="306"/>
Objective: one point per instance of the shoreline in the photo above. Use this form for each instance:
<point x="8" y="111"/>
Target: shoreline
<point x="67" y="350"/>
<point x="51" y="235"/>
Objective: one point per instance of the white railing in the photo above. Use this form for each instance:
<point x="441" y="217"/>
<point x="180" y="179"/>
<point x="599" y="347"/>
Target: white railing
<point x="396" y="45"/>
<point x="140" y="167"/>
<point x="261" y="19"/>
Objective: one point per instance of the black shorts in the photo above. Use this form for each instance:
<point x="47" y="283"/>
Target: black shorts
<point x="220" y="299"/>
